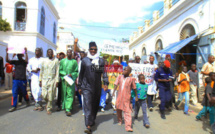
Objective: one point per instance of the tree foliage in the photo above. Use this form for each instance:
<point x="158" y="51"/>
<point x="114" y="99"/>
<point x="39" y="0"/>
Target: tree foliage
<point x="4" y="25"/>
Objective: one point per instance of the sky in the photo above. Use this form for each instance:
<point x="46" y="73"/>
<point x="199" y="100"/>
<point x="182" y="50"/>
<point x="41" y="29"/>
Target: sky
<point x="99" y="20"/>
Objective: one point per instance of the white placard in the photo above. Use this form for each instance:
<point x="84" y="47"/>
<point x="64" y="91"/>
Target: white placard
<point x="17" y="50"/>
<point x="146" y="69"/>
<point x="68" y="80"/>
<point x="115" y="48"/>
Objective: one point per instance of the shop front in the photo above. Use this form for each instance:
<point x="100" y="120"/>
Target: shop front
<point x="192" y="50"/>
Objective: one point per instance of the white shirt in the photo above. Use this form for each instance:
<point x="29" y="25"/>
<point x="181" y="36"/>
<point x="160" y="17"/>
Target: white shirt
<point x="33" y="64"/>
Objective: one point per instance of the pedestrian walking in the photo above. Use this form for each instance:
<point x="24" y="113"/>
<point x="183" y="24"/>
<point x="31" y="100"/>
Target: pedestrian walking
<point x="142" y="89"/>
<point x="82" y="54"/>
<point x="68" y="68"/>
<point x="49" y="78"/>
<point x="34" y="68"/>
<point x="207" y="68"/>
<point x="89" y="83"/>
<point x="152" y="86"/>
<point x="19" y="82"/>
<point x="126" y="84"/>
<point x="183" y="89"/>
<point x="193" y="73"/>
<point x="59" y="93"/>
<point x="8" y="76"/>
<point x="207" y="103"/>
<point x="163" y="77"/>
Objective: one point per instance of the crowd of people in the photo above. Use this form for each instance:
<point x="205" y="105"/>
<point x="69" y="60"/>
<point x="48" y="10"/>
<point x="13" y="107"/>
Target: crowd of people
<point x="84" y="75"/>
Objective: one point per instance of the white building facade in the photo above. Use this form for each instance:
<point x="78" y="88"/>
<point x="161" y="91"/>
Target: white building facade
<point x="184" y="18"/>
<point x="33" y="23"/>
<point x="177" y="21"/>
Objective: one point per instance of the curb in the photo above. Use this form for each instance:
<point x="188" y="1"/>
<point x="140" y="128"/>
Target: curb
<point x="5" y="96"/>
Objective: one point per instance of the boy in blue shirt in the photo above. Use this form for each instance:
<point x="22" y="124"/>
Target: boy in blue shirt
<point x="142" y="95"/>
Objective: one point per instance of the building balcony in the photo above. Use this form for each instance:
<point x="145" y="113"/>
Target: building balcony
<point x="20" y="26"/>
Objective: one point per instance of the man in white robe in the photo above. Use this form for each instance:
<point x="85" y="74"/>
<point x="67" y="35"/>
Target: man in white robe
<point x="34" y="67"/>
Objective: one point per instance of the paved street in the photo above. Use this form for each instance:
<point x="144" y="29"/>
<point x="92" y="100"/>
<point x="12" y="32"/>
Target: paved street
<point x="25" y="120"/>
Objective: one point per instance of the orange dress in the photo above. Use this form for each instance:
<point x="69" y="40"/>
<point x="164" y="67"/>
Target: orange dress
<point x="184" y="85"/>
<point x="123" y="101"/>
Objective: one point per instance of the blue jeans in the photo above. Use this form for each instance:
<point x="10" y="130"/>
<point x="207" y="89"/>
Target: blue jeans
<point x="211" y="111"/>
<point x="138" y="104"/>
<point x="181" y="97"/>
<point x="19" y="86"/>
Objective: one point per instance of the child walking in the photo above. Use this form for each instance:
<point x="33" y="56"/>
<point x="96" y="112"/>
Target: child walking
<point x="193" y="73"/>
<point x="183" y="89"/>
<point x="142" y="88"/>
<point x="207" y="105"/>
<point x="125" y="83"/>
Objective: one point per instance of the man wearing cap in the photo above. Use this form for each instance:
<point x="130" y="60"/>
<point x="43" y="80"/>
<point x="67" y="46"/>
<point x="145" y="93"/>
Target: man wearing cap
<point x="163" y="76"/>
<point x="89" y="83"/>
<point x="68" y="67"/>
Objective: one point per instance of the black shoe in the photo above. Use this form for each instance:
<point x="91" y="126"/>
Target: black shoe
<point x="187" y="113"/>
<point x="88" y="131"/>
<point x="151" y="109"/>
<point x="163" y="115"/>
<point x="176" y="107"/>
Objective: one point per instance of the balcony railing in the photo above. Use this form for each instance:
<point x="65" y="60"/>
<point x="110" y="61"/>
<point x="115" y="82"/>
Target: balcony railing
<point x="20" y="26"/>
<point x="161" y="13"/>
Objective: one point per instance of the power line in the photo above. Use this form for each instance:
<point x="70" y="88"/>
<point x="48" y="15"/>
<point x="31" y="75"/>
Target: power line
<point x="97" y="26"/>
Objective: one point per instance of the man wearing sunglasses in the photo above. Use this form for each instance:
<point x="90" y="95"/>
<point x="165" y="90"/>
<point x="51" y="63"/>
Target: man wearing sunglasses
<point x="89" y="83"/>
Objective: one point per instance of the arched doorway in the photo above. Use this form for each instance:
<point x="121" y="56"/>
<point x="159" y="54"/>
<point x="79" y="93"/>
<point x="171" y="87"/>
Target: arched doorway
<point x="144" y="55"/>
<point x="187" y="54"/>
<point x="187" y="31"/>
<point x="158" y="45"/>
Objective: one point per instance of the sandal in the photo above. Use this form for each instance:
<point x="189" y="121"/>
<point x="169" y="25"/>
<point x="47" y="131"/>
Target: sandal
<point x="36" y="108"/>
<point x="88" y="131"/>
<point x="130" y="130"/>
<point x="40" y="108"/>
<point x="120" y="123"/>
<point x="49" y="112"/>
